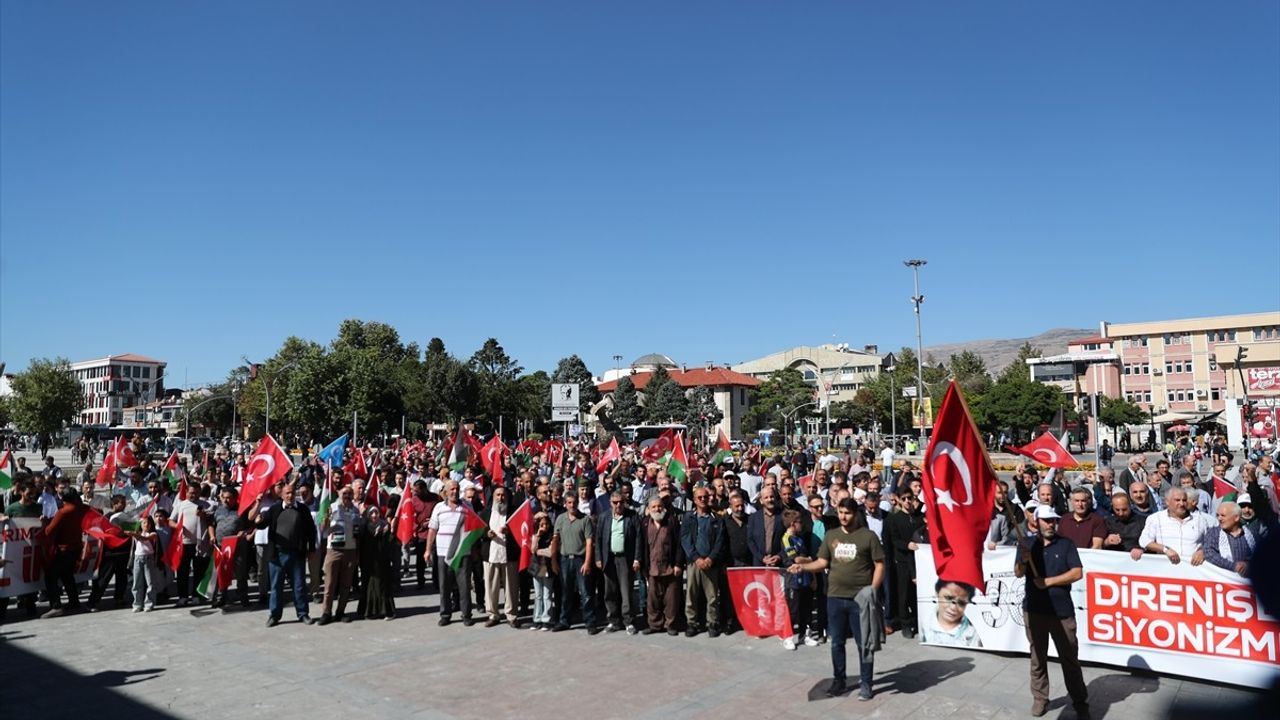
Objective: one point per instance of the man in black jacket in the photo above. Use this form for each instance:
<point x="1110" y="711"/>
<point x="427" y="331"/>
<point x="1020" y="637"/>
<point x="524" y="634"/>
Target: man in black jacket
<point x="901" y="528"/>
<point x="291" y="535"/>
<point x="617" y="557"/>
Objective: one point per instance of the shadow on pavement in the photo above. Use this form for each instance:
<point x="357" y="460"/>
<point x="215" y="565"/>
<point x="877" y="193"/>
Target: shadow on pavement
<point x="921" y="675"/>
<point x="48" y="689"/>
<point x="1109" y="690"/>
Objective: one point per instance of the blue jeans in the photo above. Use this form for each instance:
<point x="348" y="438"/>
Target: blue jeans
<point x="542" y="598"/>
<point x="294" y="564"/>
<point x="842" y="624"/>
<point x="573" y="581"/>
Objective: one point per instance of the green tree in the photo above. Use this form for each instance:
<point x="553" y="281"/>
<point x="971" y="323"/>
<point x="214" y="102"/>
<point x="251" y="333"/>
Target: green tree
<point x="1116" y="413"/>
<point x="1017" y="403"/>
<point x="316" y="395"/>
<point x="496" y="375"/>
<point x="573" y="370"/>
<point x="6" y="412"/>
<point x="784" y="391"/>
<point x="970" y="372"/>
<point x="702" y="409"/>
<point x="664" y="399"/>
<point x="626" y="404"/>
<point x="533" y="392"/>
<point x="45" y="396"/>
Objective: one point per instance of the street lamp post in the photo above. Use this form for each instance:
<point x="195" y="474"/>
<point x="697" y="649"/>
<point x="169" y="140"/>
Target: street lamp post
<point x="916" y="301"/>
<point x="266" y="386"/>
<point x="893" y="407"/>
<point x="187" y="418"/>
<point x="786" y="416"/>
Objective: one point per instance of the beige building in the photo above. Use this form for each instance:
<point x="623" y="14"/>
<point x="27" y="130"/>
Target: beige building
<point x="837" y="372"/>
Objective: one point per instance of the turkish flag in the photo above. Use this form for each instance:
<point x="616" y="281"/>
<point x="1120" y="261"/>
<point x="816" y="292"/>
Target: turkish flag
<point x="1046" y="449"/>
<point x="95" y="525"/>
<point x="611" y="454"/>
<point x="555" y="452"/>
<point x="406" y="519"/>
<point x="491" y="458"/>
<point x="123" y="454"/>
<point x="106" y="473"/>
<point x="660" y="447"/>
<point x="959" y="492"/>
<point x="267" y="466"/>
<point x="760" y="601"/>
<point x="520" y="525"/>
<point x="356" y="467"/>
<point x="224" y="562"/>
<point x="173" y="553"/>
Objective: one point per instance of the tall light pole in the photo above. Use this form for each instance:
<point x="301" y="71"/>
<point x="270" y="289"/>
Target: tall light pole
<point x="916" y="301"/>
<point x="893" y="407"/>
<point x="267" y="383"/>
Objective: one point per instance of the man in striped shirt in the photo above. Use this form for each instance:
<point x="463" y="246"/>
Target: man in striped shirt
<point x="1175" y="531"/>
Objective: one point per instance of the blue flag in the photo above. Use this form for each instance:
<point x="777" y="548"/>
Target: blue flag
<point x="335" y="453"/>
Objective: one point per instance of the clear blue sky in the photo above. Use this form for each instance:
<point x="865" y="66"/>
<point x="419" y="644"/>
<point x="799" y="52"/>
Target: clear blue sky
<point x="711" y="180"/>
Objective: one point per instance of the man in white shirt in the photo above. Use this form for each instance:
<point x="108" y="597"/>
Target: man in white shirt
<point x="1175" y="531"/>
<point x="749" y="482"/>
<point x="886" y="463"/>
<point x="187" y="518"/>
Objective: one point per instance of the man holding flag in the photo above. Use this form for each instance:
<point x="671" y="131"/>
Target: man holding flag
<point x="451" y="535"/>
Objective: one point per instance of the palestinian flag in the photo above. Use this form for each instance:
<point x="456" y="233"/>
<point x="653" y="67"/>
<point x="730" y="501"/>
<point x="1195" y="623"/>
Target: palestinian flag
<point x="221" y="568"/>
<point x="723" y="450"/>
<point x="677" y="461"/>
<point x="131" y="520"/>
<point x="469" y="532"/>
<point x="326" y="502"/>
<point x="171" y="472"/>
<point x="6" y="470"/>
<point x="458" y="453"/>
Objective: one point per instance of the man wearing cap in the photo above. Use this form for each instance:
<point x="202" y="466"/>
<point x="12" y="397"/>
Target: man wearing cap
<point x="1248" y="517"/>
<point x="1050" y="566"/>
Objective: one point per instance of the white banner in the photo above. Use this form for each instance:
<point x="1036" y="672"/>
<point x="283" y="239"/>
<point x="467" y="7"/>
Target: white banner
<point x="21" y="549"/>
<point x="1200" y="622"/>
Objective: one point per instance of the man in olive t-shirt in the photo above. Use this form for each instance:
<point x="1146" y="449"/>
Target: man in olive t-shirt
<point x="855" y="559"/>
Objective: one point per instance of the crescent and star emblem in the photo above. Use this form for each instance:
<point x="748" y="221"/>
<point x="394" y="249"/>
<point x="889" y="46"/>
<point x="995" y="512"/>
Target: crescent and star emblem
<point x="1053" y="454"/>
<point x="952" y="453"/>
<point x="764" y="590"/>
<point x="271" y="466"/>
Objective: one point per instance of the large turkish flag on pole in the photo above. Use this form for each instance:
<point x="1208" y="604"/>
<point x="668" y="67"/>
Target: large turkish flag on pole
<point x="268" y="464"/>
<point x="959" y="492"/>
<point x="1048" y="450"/>
<point x="760" y="601"/>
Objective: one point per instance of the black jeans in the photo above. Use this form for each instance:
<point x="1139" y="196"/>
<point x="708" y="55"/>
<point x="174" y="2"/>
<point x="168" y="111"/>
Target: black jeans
<point x="62" y="571"/>
<point x="115" y="566"/>
<point x="574" y="583"/>
<point x="450" y="582"/>
<point x="190" y="561"/>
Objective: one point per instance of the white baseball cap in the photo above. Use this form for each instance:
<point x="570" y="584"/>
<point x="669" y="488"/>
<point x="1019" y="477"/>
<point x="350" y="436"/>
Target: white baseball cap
<point x="1046" y="512"/>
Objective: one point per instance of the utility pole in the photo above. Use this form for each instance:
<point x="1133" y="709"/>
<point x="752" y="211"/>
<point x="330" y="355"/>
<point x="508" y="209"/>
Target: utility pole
<point x="916" y="301"/>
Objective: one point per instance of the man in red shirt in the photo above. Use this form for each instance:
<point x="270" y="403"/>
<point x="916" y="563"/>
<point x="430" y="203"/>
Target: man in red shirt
<point x="1083" y="527"/>
<point x="63" y="533"/>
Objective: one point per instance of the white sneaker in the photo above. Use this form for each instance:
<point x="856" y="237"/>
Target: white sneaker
<point x="789" y="644"/>
<point x="810" y="641"/>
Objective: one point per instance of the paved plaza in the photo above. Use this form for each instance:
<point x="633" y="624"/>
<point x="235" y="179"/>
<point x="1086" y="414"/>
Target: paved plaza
<point x="199" y="663"/>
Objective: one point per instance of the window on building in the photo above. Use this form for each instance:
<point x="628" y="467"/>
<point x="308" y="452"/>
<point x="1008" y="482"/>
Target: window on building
<point x="146" y="372"/>
<point x="1168" y="368"/>
<point x="1146" y="369"/>
<point x="1147" y="397"/>
<point x="1177" y="367"/>
<point x="1126" y="369"/>
<point x="1170" y="396"/>
<point x="1215" y="394"/>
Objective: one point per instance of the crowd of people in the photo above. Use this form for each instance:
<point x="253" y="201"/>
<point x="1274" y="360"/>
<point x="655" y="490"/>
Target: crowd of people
<point x="628" y="545"/>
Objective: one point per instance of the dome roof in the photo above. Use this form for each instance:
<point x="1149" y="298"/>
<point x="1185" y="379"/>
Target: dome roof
<point x="653" y="360"/>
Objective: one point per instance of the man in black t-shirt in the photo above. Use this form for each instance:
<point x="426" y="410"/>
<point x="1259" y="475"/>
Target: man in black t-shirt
<point x="1050" y="566"/>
